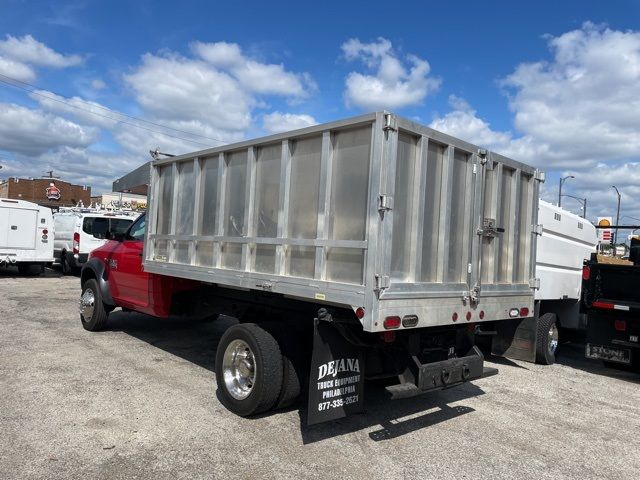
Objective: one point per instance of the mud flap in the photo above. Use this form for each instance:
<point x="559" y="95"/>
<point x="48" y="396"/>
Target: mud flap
<point x="516" y="339"/>
<point x="336" y="381"/>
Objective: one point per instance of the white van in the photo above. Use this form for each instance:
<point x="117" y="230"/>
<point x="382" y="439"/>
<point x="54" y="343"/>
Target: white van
<point x="26" y="235"/>
<point x="79" y="231"/>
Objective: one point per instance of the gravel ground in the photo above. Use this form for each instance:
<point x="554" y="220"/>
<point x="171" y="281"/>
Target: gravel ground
<point x="138" y="401"/>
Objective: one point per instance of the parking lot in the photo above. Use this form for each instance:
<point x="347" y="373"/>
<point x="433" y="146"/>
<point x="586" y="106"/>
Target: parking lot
<point x="139" y="401"/>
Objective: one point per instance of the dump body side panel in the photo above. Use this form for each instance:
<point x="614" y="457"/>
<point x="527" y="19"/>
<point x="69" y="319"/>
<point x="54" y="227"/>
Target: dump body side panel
<point x="374" y="212"/>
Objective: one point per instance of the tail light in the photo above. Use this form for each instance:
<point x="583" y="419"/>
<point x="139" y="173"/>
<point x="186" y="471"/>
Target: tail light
<point x="620" y="325"/>
<point x="76" y="242"/>
<point x="524" y="311"/>
<point x="391" y="322"/>
<point x="586" y="272"/>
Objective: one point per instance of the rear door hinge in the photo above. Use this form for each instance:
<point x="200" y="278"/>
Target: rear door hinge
<point x="385" y="202"/>
<point x="534" y="283"/>
<point x="537" y="229"/>
<point x="389" y="123"/>
<point x="382" y="282"/>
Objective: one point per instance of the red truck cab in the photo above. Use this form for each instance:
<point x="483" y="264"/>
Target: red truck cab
<point x="114" y="276"/>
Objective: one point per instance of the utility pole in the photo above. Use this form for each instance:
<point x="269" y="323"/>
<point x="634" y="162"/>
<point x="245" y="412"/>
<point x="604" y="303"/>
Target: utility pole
<point x="615" y="237"/>
<point x="562" y="180"/>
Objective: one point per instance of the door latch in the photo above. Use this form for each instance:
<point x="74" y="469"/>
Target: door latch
<point x="489" y="228"/>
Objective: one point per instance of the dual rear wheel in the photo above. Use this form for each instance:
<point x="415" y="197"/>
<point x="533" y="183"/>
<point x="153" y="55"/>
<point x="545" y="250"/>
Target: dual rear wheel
<point x="252" y="373"/>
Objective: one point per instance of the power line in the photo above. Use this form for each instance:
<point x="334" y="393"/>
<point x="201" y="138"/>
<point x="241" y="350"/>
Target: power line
<point x="32" y="89"/>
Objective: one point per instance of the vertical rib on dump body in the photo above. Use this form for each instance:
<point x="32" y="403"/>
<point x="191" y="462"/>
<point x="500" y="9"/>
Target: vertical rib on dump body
<point x="373" y="211"/>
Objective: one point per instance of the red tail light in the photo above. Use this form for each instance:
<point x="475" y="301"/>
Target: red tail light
<point x="45" y="231"/>
<point x="524" y="311"/>
<point x="605" y="305"/>
<point x="360" y="313"/>
<point x="586" y="272"/>
<point x="620" y="325"/>
<point x="391" y="322"/>
<point x="76" y="242"/>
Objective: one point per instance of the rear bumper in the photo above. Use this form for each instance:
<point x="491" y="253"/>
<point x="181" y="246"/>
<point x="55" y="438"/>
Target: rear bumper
<point x="606" y="342"/>
<point x="444" y="374"/>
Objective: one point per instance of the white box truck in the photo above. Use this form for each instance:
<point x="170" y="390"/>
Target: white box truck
<point x="566" y="241"/>
<point x="364" y="248"/>
<point x="26" y="235"/>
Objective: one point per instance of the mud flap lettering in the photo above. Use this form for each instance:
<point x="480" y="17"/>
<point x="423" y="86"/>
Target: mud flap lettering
<point x="336" y="381"/>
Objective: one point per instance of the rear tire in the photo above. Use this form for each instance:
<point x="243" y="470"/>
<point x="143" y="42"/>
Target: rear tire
<point x="290" y="384"/>
<point x="248" y="370"/>
<point x="547" y="341"/>
<point x="65" y="265"/>
<point x="93" y="315"/>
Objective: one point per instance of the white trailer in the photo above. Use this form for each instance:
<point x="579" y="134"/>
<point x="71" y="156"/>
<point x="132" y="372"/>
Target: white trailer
<point x="565" y="241"/>
<point x="26" y="235"/>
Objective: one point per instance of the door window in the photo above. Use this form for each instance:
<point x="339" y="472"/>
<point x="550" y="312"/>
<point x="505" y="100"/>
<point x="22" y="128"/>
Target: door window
<point x="96" y="226"/>
<point x="120" y="225"/>
<point x="138" y="228"/>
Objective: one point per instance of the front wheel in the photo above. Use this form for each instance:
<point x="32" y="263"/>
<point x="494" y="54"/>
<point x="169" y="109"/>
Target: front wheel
<point x="248" y="370"/>
<point x="548" y="338"/>
<point x="92" y="312"/>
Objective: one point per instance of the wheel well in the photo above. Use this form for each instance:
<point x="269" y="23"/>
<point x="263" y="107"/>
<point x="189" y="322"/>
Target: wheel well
<point x="86" y="274"/>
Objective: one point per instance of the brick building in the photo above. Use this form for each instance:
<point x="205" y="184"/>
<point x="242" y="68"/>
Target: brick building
<point x="49" y="192"/>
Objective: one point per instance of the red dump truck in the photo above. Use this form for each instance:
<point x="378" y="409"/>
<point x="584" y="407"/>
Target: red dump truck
<point x="364" y="248"/>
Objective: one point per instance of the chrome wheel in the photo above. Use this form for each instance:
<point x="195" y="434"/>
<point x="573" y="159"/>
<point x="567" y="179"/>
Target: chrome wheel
<point x="239" y="369"/>
<point x="553" y="339"/>
<point x="87" y="304"/>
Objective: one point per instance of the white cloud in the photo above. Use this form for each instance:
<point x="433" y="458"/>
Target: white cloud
<point x="394" y="84"/>
<point x="76" y="165"/>
<point x="30" y="51"/>
<point x="585" y="103"/>
<point x="33" y="132"/>
<point x="255" y="76"/>
<point x="84" y="110"/>
<point x="16" y="70"/>
<point x="282" y="122"/>
<point x="462" y="122"/>
<point x="98" y="84"/>
<point x="171" y="87"/>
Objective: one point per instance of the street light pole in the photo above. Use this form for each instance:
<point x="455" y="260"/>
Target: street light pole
<point x="583" y="201"/>
<point x="562" y="180"/>
<point x="615" y="238"/>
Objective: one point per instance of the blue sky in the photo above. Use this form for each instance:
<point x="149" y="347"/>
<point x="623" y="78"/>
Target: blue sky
<point x="554" y="84"/>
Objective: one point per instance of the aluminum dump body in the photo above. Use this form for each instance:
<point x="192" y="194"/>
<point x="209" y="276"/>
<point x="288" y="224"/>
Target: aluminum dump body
<point x="374" y="211"/>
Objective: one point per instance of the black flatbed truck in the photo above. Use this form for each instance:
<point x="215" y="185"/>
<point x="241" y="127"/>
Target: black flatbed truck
<point x="611" y="300"/>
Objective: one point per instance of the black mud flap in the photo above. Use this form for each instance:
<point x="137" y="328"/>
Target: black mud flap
<point x="336" y="381"/>
<point x="516" y="339"/>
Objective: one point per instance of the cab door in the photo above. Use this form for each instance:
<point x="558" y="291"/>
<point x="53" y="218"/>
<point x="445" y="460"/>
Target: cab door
<point x="126" y="270"/>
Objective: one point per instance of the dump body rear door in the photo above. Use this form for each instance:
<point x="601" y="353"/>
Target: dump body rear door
<point x="505" y="243"/>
